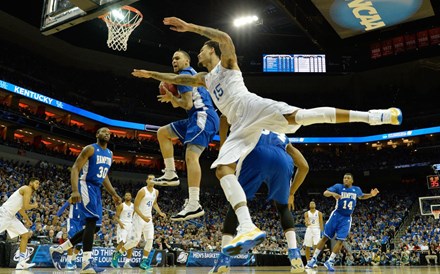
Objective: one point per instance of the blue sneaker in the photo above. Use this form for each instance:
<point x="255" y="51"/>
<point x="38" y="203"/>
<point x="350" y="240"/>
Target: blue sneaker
<point x="145" y="265"/>
<point x="55" y="254"/>
<point x="91" y="267"/>
<point x="311" y="263"/>
<point x="70" y="266"/>
<point x="295" y="261"/>
<point x="329" y="265"/>
<point x="222" y="264"/>
<point x="115" y="259"/>
<point x="244" y="241"/>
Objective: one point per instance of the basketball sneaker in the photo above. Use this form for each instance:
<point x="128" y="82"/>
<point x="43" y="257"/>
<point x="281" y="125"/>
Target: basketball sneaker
<point x="311" y="263"/>
<point x="391" y="116"/>
<point x="245" y="240"/>
<point x="56" y="252"/>
<point x="23" y="265"/>
<point x="169" y="178"/>
<point x="127" y="264"/>
<point x="91" y="267"/>
<point x="145" y="265"/>
<point x="115" y="259"/>
<point x="295" y="261"/>
<point x="222" y="264"/>
<point x="70" y="266"/>
<point x="329" y="265"/>
<point x="188" y="212"/>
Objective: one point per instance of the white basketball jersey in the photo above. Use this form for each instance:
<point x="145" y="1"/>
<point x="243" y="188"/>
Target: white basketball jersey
<point x="126" y="213"/>
<point x="148" y="201"/>
<point x="14" y="202"/>
<point x="314" y="219"/>
<point x="225" y="86"/>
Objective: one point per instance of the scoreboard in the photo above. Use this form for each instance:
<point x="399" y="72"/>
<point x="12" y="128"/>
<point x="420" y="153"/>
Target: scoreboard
<point x="433" y="181"/>
<point x="294" y="63"/>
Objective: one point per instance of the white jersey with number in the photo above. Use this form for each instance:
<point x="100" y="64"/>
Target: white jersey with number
<point x="247" y="113"/>
<point x="14" y="202"/>
<point x="313" y="219"/>
<point x="147" y="202"/>
<point x="126" y="215"/>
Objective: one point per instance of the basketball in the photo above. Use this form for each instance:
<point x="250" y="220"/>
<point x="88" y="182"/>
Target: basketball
<point x="172" y="88"/>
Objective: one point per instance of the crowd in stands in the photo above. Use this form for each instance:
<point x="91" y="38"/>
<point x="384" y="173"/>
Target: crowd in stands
<point x="374" y="221"/>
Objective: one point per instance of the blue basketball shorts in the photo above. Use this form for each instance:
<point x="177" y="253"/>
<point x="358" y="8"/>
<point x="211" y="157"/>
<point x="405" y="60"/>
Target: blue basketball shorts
<point x="337" y="224"/>
<point x="199" y="129"/>
<point x="268" y="164"/>
<point x="91" y="204"/>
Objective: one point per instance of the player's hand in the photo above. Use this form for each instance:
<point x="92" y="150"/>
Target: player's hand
<point x="374" y="192"/>
<point x="29" y="223"/>
<point x="122" y="226"/>
<point x="176" y="24"/>
<point x="146" y="219"/>
<point x="337" y="196"/>
<point x="163" y="215"/>
<point x="75" y="197"/>
<point x="141" y="73"/>
<point x="290" y="202"/>
<point x="34" y="205"/>
<point x="117" y="199"/>
<point x="167" y="97"/>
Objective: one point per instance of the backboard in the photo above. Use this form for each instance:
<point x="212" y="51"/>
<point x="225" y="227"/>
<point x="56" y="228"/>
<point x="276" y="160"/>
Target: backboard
<point x="62" y="14"/>
<point x="428" y="205"/>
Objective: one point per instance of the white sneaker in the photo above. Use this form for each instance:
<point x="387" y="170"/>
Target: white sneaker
<point x="169" y="178"/>
<point x="189" y="212"/>
<point x="392" y="116"/>
<point x="23" y="265"/>
<point x="245" y="240"/>
<point x="127" y="265"/>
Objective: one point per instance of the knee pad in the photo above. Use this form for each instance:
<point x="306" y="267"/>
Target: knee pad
<point x="233" y="191"/>
<point x="285" y="217"/>
<point x="148" y="245"/>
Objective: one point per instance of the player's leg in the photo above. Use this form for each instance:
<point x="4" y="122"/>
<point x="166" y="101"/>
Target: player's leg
<point x="332" y="115"/>
<point x="287" y="223"/>
<point x="22" y="264"/>
<point x="223" y="262"/>
<point x="165" y="135"/>
<point x="342" y="231"/>
<point x="133" y="238"/>
<point x="15" y="228"/>
<point x="148" y="233"/>
<point x="330" y="228"/>
<point x="248" y="234"/>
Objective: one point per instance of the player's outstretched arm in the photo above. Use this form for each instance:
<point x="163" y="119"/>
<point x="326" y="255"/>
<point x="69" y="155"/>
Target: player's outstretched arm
<point x="372" y="194"/>
<point x="335" y="195"/>
<point x="197" y="80"/>
<point x="302" y="168"/>
<point x="227" y="48"/>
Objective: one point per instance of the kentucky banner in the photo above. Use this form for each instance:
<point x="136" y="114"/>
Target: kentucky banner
<point x="197" y="258"/>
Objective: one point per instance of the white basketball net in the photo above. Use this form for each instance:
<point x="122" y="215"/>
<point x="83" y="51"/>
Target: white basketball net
<point x="121" y="23"/>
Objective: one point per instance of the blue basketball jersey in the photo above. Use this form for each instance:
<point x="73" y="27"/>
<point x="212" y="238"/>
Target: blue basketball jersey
<point x="346" y="204"/>
<point x="269" y="138"/>
<point x="95" y="169"/>
<point x="200" y="96"/>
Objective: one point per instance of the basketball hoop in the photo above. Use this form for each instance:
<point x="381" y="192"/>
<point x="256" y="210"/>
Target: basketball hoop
<point x="436" y="214"/>
<point x="121" y="23"/>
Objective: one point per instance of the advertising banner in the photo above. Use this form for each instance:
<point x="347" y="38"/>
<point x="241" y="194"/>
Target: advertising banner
<point x="197" y="258"/>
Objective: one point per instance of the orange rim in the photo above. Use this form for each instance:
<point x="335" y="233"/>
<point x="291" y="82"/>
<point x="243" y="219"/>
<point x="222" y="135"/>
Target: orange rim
<point x="104" y="17"/>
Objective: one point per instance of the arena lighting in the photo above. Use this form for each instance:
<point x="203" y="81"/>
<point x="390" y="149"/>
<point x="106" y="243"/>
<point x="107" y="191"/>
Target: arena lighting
<point x="117" y="13"/>
<point x="245" y="20"/>
<point x="118" y="131"/>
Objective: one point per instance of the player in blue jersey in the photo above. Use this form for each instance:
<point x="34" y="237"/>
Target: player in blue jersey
<point x="339" y="223"/>
<point x="196" y="132"/>
<point x="74" y="225"/>
<point x="88" y="175"/>
<point x="272" y="161"/>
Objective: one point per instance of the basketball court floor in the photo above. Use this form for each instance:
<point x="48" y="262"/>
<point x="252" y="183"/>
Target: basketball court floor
<point x="251" y="270"/>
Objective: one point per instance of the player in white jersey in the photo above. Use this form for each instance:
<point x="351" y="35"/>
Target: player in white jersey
<point x="145" y="201"/>
<point x="19" y="201"/>
<point x="315" y="224"/>
<point x="249" y="114"/>
<point x="124" y="218"/>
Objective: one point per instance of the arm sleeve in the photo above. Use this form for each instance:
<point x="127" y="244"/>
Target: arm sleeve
<point x="61" y="210"/>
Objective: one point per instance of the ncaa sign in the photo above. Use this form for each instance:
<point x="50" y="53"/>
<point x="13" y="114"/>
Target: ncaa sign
<point x="351" y="17"/>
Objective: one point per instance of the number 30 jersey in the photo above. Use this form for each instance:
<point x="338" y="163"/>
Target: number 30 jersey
<point x="346" y="204"/>
<point x="96" y="168"/>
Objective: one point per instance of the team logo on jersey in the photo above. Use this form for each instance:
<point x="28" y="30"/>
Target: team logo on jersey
<point x="367" y="15"/>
